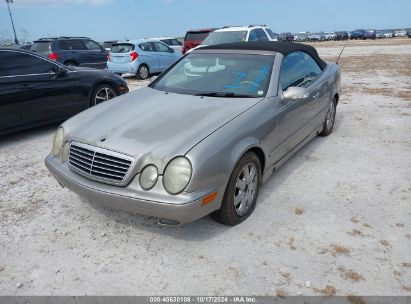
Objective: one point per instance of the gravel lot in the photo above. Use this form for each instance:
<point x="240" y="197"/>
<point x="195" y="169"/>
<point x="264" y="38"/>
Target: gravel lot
<point x="335" y="219"/>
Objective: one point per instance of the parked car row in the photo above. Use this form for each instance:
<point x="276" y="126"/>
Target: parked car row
<point x="344" y="35"/>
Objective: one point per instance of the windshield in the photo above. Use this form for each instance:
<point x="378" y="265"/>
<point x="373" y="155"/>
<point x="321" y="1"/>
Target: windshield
<point x="225" y="37"/>
<point x="221" y="75"/>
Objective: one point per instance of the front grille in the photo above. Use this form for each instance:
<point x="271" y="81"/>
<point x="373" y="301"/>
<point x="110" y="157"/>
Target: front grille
<point x="99" y="164"/>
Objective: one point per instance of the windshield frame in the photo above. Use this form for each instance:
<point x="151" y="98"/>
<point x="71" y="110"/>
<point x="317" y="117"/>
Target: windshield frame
<point x="271" y="89"/>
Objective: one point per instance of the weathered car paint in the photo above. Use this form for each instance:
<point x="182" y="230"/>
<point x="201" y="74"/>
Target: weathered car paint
<point x="213" y="133"/>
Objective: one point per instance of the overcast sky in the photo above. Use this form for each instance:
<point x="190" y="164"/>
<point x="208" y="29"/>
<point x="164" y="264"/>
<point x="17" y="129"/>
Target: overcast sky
<point x="120" y="19"/>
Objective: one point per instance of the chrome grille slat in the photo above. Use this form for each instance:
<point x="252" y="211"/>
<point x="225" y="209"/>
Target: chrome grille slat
<point x="97" y="161"/>
<point x="109" y="169"/>
<point x="120" y="176"/>
<point x="83" y="151"/>
<point x="83" y="155"/>
<point x="80" y="158"/>
<point x="80" y="165"/>
<point x="99" y="155"/>
<point x="100" y="164"/>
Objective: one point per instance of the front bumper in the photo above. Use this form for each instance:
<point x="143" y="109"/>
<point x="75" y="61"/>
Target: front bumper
<point x="183" y="208"/>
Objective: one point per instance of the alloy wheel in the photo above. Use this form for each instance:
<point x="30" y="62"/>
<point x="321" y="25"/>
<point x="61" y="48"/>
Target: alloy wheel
<point x="330" y="116"/>
<point x="104" y="94"/>
<point x="143" y="72"/>
<point x="246" y="189"/>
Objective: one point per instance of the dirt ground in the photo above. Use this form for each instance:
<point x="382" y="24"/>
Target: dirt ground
<point x="335" y="219"/>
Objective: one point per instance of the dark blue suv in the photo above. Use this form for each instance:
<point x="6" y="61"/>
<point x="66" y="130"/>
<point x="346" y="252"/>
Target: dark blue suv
<point x="72" y="51"/>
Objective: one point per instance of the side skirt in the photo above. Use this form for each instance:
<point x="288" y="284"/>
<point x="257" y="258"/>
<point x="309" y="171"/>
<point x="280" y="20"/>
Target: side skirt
<point x="269" y="171"/>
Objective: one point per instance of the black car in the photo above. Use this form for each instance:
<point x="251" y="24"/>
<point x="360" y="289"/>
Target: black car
<point x="286" y="37"/>
<point x="72" y="51"/>
<point x="358" y="34"/>
<point x="341" y="35"/>
<point x="370" y="34"/>
<point x="35" y="90"/>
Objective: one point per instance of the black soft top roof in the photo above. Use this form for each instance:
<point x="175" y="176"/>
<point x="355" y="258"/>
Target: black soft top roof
<point x="282" y="47"/>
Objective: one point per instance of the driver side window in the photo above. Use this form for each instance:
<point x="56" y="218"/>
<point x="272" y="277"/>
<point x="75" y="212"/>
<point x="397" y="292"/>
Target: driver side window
<point x="253" y="36"/>
<point x="161" y="47"/>
<point x="298" y="70"/>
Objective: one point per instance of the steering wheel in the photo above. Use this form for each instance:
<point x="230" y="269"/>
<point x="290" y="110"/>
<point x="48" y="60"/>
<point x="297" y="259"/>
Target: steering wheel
<point x="249" y="82"/>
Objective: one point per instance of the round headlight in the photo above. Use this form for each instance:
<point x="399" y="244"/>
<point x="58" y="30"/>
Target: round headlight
<point x="177" y="175"/>
<point x="64" y="153"/>
<point x="148" y="177"/>
<point x="58" y="141"/>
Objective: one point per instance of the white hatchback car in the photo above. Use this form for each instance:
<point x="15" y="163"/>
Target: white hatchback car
<point x="172" y="42"/>
<point x="229" y="34"/>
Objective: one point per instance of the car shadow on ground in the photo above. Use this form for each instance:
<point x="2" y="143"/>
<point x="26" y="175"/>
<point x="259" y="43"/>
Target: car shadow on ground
<point x="206" y="228"/>
<point x="31" y="134"/>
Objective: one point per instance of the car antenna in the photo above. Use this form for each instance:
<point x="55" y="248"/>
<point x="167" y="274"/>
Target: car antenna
<point x="341" y="52"/>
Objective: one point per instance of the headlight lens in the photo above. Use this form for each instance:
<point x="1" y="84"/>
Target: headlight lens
<point x="177" y="175"/>
<point x="148" y="177"/>
<point x="58" y="141"/>
<point x="64" y="153"/>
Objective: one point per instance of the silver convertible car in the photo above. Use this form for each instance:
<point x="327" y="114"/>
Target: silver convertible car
<point x="204" y="136"/>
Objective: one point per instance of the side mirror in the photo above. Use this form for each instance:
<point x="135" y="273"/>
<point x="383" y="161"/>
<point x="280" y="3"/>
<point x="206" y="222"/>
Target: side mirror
<point x="295" y="93"/>
<point x="60" y="71"/>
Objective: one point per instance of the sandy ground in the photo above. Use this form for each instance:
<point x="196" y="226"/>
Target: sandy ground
<point x="335" y="219"/>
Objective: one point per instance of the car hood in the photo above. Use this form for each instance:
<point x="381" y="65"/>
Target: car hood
<point x="154" y="126"/>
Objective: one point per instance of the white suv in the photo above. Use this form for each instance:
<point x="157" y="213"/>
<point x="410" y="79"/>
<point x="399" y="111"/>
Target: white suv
<point x="230" y="34"/>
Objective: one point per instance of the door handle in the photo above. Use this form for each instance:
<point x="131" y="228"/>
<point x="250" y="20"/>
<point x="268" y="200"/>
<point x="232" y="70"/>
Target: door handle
<point x="316" y="95"/>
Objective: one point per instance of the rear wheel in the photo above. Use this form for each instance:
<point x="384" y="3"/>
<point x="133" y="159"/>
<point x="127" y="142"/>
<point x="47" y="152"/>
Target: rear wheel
<point x="329" y="119"/>
<point x="241" y="194"/>
<point x="102" y="93"/>
<point x="143" y="72"/>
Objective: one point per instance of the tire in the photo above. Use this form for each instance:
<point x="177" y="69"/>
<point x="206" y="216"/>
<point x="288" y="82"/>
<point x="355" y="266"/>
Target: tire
<point x="70" y="64"/>
<point x="101" y="93"/>
<point x="242" y="180"/>
<point x="143" y="72"/>
<point x="329" y="119"/>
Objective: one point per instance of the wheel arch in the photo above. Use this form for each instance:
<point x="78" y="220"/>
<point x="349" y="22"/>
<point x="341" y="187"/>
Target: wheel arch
<point x="336" y="98"/>
<point x="249" y="145"/>
<point x="98" y="83"/>
<point x="71" y="60"/>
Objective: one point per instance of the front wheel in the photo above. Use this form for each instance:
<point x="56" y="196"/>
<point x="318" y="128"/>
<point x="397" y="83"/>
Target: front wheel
<point x="329" y="119"/>
<point x="241" y="194"/>
<point x="102" y="93"/>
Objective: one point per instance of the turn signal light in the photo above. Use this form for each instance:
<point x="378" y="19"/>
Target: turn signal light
<point x="209" y="198"/>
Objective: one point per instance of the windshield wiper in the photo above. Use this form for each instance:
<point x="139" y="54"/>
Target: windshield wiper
<point x="222" y="94"/>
